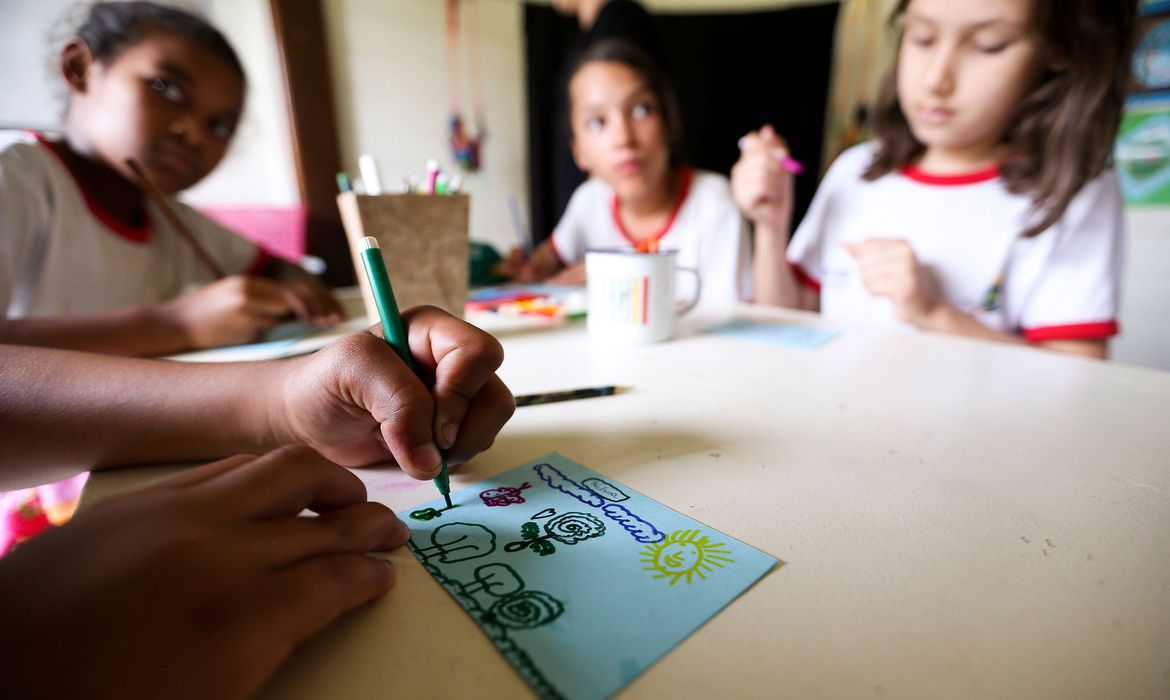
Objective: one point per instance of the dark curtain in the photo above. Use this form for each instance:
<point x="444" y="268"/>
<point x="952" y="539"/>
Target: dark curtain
<point x="733" y="73"/>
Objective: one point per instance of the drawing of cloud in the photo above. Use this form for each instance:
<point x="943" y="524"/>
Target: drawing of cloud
<point x="556" y="479"/>
<point x="639" y="528"/>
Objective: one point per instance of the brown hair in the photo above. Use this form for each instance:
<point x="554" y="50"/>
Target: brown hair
<point x="639" y="61"/>
<point x="1063" y="133"/>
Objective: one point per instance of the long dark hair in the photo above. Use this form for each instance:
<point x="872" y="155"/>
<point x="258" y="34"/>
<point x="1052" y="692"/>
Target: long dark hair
<point x="1063" y="133"/>
<point x="111" y="27"/>
<point x="639" y="61"/>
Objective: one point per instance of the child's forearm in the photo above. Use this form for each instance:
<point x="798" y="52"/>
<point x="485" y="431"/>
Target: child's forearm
<point x="64" y="411"/>
<point x="133" y="332"/>
<point x="947" y="318"/>
<point x="773" y="280"/>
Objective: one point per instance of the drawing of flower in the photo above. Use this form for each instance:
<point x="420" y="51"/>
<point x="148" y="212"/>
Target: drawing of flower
<point x="572" y="528"/>
<point x="525" y="610"/>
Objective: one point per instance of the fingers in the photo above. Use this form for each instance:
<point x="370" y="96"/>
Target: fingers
<point x="379" y="382"/>
<point x="303" y="598"/>
<point x="263" y="298"/>
<point x="463" y="358"/>
<point x="492" y="408"/>
<point x="285" y="481"/>
<point x="204" y="473"/>
<point x="355" y="529"/>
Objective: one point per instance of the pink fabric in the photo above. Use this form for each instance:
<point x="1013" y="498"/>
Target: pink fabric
<point x="26" y="513"/>
<point x="279" y="230"/>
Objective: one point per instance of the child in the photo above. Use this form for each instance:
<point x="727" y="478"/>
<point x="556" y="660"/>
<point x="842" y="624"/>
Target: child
<point x="625" y="129"/>
<point x="203" y="584"/>
<point x="87" y="261"/>
<point x="986" y="206"/>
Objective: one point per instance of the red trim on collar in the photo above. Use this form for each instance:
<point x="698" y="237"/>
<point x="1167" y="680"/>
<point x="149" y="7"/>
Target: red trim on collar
<point x="651" y="243"/>
<point x="917" y="174"/>
<point x="134" y="234"/>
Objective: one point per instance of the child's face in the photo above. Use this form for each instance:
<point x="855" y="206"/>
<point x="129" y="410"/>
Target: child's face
<point x="167" y="102"/>
<point x="963" y="69"/>
<point x="618" y="131"/>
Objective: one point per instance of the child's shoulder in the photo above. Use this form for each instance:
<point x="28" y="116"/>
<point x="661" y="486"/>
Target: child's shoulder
<point x="853" y="161"/>
<point x="20" y="150"/>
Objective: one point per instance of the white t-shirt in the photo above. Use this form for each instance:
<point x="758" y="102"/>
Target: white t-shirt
<point x="62" y="254"/>
<point x="706" y="230"/>
<point x="1060" y="285"/>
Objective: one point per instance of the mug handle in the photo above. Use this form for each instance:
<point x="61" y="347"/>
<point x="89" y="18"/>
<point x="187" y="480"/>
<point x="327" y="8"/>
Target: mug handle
<point x="688" y="306"/>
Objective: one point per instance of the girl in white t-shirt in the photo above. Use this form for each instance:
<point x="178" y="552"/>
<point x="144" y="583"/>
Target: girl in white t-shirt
<point x="986" y="207"/>
<point x="87" y="261"/>
<point x="625" y="126"/>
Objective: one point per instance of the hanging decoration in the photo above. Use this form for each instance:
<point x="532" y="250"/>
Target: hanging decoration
<point x="466" y="147"/>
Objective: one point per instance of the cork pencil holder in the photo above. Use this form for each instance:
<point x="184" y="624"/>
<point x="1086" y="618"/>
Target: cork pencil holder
<point x="424" y="240"/>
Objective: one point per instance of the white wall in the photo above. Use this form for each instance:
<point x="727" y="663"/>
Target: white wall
<point x="389" y="63"/>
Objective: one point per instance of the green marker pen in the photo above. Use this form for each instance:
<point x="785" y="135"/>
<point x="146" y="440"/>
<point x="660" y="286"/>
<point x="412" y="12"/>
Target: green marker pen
<point x="393" y="330"/>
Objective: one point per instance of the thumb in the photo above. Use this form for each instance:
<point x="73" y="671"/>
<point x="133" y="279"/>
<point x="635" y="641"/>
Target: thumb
<point x="383" y="385"/>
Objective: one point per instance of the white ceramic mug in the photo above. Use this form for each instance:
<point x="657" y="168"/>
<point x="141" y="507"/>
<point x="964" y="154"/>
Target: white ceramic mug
<point x="632" y="296"/>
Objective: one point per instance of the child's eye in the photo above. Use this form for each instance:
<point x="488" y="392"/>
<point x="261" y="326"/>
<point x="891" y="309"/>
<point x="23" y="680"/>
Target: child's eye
<point x="923" y="40"/>
<point x="642" y="110"/>
<point x="990" y="47"/>
<point x="167" y="89"/>
<point x="594" y="124"/>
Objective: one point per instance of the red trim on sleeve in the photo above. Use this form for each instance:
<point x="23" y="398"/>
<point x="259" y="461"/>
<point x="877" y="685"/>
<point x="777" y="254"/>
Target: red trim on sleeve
<point x="259" y="263"/>
<point x="804" y="278"/>
<point x="1097" y="330"/>
<point x="651" y="244"/>
<point x="917" y="174"/>
<point x="134" y="234"/>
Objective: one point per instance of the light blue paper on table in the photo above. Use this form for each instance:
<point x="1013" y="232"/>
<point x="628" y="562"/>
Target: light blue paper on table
<point x="581" y="582"/>
<point x="774" y="333"/>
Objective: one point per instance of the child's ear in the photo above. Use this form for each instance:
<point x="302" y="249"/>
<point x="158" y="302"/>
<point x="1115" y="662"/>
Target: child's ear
<point x="76" y="60"/>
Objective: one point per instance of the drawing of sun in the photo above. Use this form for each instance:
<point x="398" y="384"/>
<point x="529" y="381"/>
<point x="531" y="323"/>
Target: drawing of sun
<point x="685" y="554"/>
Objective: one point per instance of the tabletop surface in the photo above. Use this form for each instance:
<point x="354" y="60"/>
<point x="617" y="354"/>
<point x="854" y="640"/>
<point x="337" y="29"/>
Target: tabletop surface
<point x="956" y="518"/>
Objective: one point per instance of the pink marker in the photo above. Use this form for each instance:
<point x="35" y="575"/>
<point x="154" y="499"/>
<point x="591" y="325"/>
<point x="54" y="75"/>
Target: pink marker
<point x="789" y="163"/>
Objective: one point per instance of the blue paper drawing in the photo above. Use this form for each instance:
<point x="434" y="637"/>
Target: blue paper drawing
<point x="619" y="593"/>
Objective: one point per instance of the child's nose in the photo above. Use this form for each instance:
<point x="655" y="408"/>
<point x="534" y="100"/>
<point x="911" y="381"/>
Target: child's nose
<point x="188" y="130"/>
<point x="624" y="131"/>
<point x="940" y="74"/>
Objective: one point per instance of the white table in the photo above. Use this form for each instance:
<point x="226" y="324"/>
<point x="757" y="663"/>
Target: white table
<point x="956" y="518"/>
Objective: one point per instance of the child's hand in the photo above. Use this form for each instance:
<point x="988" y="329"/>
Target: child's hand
<point x="234" y="310"/>
<point x="760" y="185"/>
<point x="889" y="268"/>
<point x="357" y="403"/>
<point x="199" y="586"/>
<point x="310" y="299"/>
<point x="573" y="275"/>
<point x="512" y="266"/>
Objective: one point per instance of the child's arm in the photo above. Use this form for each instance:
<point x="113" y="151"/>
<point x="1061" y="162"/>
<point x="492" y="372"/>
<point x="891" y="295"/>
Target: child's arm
<point x="234" y="310"/>
<point x="889" y="268"/>
<point x="355" y="402"/>
<point x="763" y="191"/>
<point x="199" y="586"/>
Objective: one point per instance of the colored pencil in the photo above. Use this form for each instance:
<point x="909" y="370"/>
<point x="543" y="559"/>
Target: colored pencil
<point x="569" y="395"/>
<point x="161" y="200"/>
<point x="393" y="330"/>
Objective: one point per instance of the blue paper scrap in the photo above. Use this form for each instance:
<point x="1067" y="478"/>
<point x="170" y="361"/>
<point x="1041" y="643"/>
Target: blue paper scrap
<point x="774" y="333"/>
<point x="581" y="582"/>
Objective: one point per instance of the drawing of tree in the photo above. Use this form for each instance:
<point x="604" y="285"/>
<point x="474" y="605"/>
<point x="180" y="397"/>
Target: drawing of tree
<point x="569" y="528"/>
<point x="497" y="580"/>
<point x="456" y="542"/>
